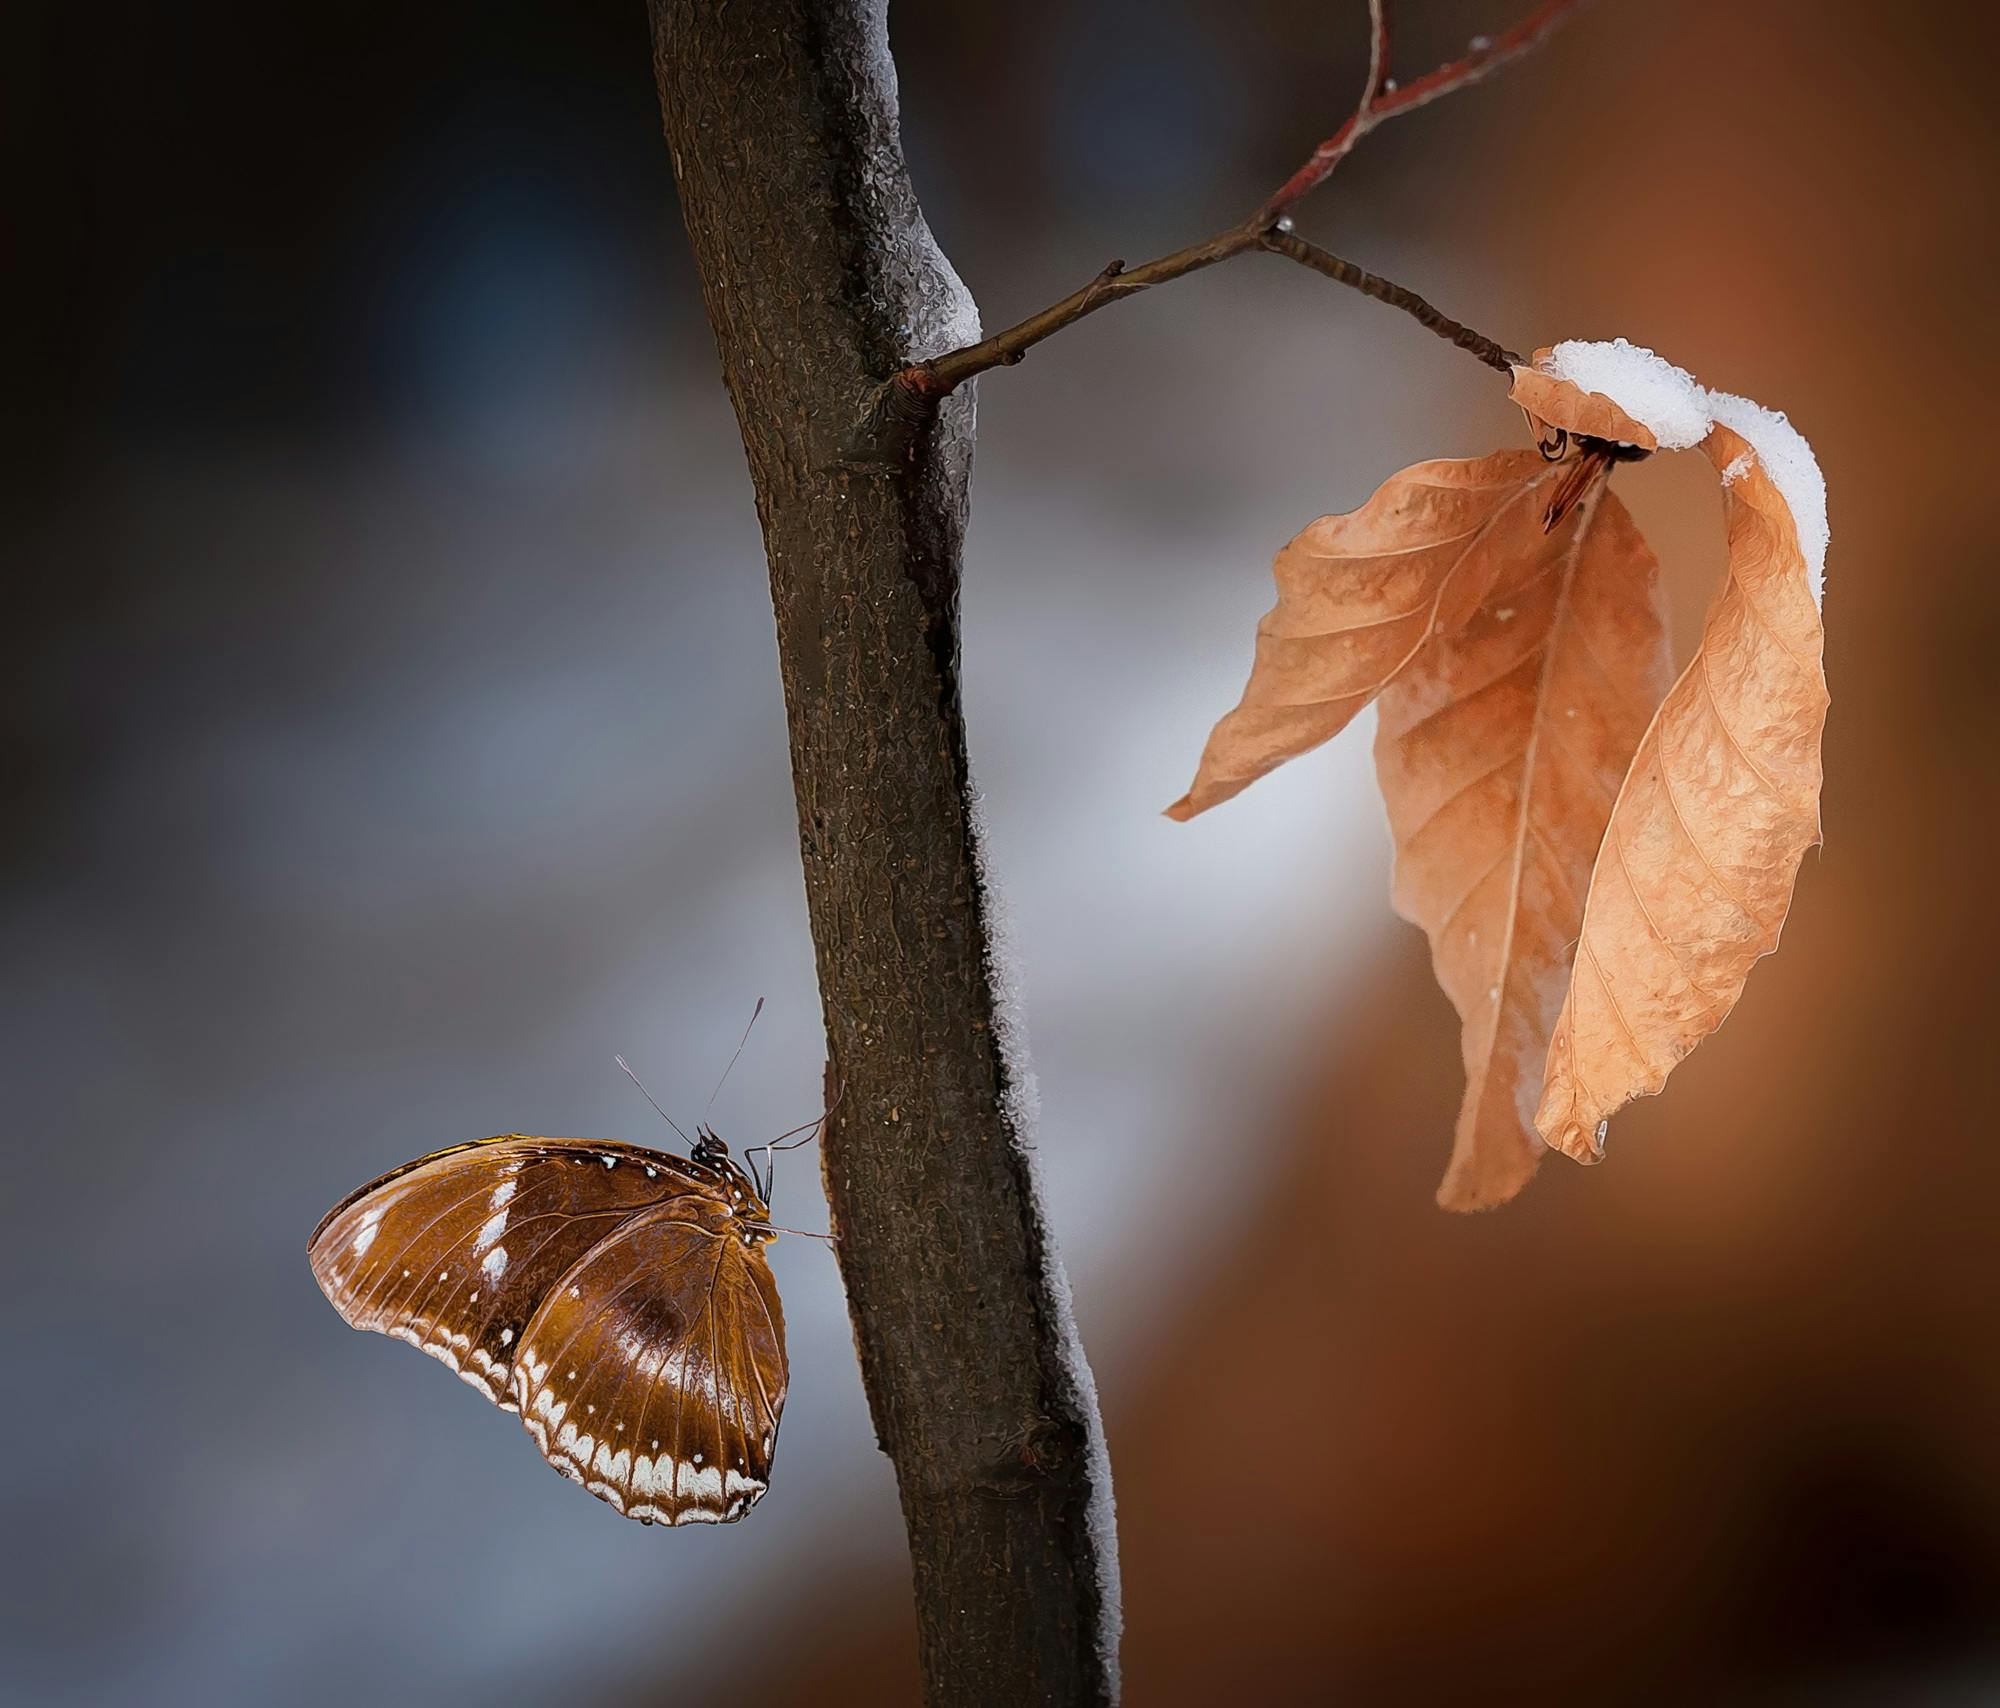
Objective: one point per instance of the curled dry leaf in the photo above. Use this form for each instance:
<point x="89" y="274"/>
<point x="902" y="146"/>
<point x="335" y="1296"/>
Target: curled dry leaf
<point x="1358" y="597"/>
<point x="1695" y="876"/>
<point x="1554" y="402"/>
<point x="1500" y="750"/>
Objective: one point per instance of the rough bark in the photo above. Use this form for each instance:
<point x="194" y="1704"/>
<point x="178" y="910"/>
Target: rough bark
<point x="821" y="280"/>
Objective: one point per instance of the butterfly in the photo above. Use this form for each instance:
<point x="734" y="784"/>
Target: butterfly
<point x="617" y="1298"/>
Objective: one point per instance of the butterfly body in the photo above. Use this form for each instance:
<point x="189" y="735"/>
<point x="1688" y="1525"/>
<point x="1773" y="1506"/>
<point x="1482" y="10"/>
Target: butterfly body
<point x="616" y="1298"/>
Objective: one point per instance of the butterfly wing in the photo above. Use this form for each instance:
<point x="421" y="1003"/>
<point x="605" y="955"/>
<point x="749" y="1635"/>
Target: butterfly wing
<point x="454" y="1252"/>
<point x="654" y="1373"/>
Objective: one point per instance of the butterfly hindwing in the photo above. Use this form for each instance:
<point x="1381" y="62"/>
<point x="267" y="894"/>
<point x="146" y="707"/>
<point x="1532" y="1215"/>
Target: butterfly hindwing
<point x="454" y="1253"/>
<point x="654" y="1373"/>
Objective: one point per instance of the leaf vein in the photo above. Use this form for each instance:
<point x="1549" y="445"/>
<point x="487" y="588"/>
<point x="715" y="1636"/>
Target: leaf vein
<point x="1700" y="853"/>
<point x="1722" y="723"/>
<point x="1653" y="925"/>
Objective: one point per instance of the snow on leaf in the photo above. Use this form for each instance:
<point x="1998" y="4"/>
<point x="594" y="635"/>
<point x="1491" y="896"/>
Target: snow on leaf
<point x="1789" y="461"/>
<point x="1359" y="595"/>
<point x="1556" y="402"/>
<point x="1667" y="400"/>
<point x="1499" y="751"/>
<point x="1695" y="876"/>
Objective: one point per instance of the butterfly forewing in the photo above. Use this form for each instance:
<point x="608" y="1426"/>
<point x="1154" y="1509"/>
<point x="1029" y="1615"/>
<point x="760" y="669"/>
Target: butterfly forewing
<point x="655" y="1373"/>
<point x="516" y="1260"/>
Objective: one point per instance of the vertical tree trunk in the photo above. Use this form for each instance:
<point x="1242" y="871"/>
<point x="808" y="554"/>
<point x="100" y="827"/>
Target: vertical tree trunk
<point x="821" y="279"/>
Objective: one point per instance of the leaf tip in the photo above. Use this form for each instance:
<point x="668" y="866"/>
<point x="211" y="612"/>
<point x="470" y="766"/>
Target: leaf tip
<point x="1486" y="1178"/>
<point x="1463" y="1200"/>
<point x="1578" y="1142"/>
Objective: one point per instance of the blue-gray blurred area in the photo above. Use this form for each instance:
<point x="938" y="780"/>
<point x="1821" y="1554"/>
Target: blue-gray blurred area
<point x="393" y="732"/>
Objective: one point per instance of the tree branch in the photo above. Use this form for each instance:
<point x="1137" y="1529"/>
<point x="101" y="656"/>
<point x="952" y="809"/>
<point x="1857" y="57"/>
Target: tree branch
<point x="819" y="274"/>
<point x="884" y="424"/>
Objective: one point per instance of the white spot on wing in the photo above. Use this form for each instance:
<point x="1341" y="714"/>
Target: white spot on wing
<point x="697" y="1487"/>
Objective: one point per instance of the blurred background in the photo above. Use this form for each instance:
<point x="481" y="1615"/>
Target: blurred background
<point x="393" y="732"/>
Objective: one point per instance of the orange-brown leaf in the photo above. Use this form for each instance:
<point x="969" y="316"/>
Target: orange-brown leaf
<point x="1358" y="597"/>
<point x="1500" y="750"/>
<point x="1556" y="402"/>
<point x="1695" y="876"/>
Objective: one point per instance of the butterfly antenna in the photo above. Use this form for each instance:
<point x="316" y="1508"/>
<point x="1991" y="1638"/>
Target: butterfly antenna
<point x="724" y="1080"/>
<point x="650" y="1098"/>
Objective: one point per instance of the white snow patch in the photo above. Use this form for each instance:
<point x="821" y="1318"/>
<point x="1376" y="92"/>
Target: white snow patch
<point x="1793" y="469"/>
<point x="1101" y="1514"/>
<point x="1021" y="1104"/>
<point x="1021" y="1098"/>
<point x="1680" y="411"/>
<point x="1648" y="387"/>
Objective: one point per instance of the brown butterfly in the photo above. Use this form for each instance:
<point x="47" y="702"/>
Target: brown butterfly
<point x="616" y="1297"/>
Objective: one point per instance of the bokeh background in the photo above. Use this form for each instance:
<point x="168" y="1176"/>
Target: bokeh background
<point x="392" y="732"/>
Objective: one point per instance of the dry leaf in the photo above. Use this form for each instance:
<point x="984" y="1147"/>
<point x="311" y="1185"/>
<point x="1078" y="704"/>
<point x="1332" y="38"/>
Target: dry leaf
<point x="1500" y="750"/>
<point x="1507" y="613"/>
<point x="1554" y="402"/>
<point x="1695" y="876"/>
<point x="1360" y="594"/>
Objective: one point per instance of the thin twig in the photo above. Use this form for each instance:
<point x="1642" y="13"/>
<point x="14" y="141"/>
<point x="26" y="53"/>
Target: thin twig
<point x="1369" y="284"/>
<point x="914" y="388"/>
<point x="1330" y="153"/>
<point x="1116" y="282"/>
<point x="1386" y="101"/>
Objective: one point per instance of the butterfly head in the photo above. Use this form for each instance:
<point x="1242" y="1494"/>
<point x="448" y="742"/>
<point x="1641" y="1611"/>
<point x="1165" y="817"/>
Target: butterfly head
<point x="747" y="1194"/>
<point x="710" y="1151"/>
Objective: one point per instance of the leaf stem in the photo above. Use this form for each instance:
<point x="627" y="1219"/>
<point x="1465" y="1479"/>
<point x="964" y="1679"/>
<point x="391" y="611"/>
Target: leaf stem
<point x="1345" y="272"/>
